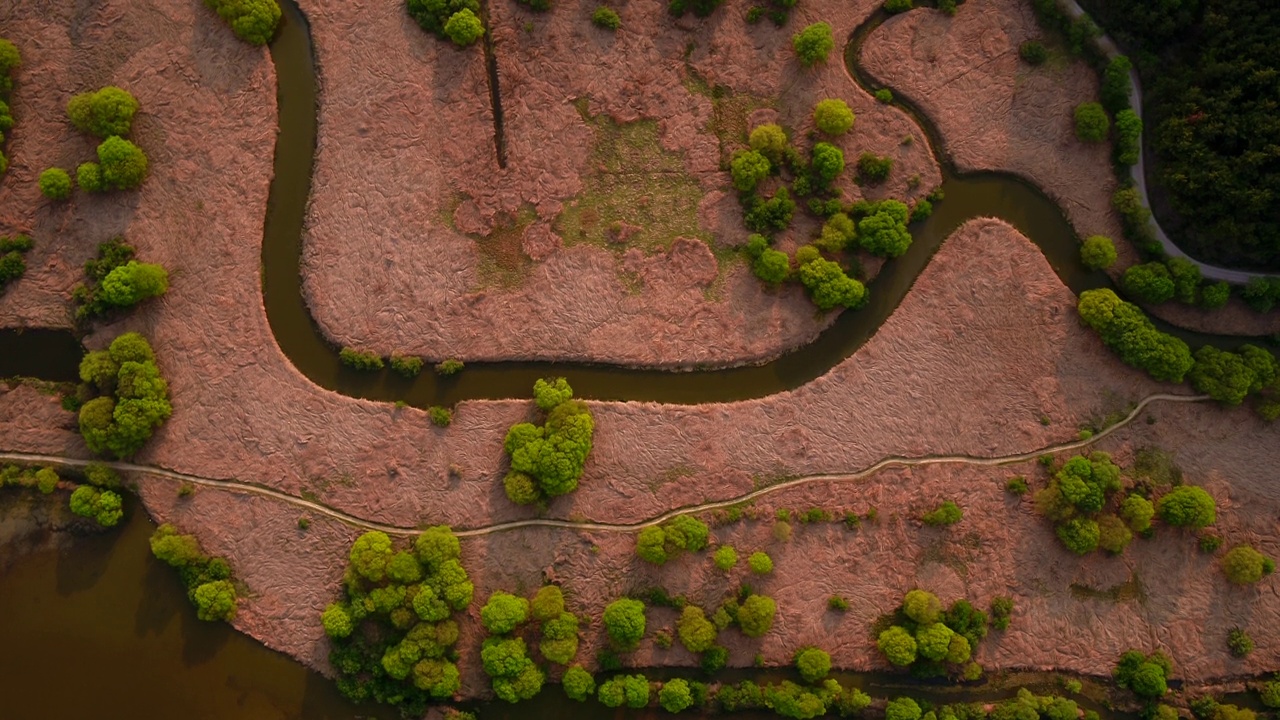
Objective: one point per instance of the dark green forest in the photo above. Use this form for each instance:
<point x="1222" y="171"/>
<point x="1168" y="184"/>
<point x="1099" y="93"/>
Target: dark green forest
<point x="1211" y="74"/>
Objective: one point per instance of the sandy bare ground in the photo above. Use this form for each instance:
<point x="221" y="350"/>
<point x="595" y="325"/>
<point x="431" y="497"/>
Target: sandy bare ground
<point x="996" y="112"/>
<point x="204" y="100"/>
<point x="387" y="264"/>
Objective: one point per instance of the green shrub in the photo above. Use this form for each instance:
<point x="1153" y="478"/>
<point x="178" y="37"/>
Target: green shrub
<point x="1116" y="86"/>
<point x="1001" y="611"/>
<point x="828" y="163"/>
<point x="903" y="708"/>
<point x="607" y="18"/>
<point x="123" y="164"/>
<point x="1137" y="512"/>
<point x="838" y="233"/>
<point x="884" y="232"/>
<point x="813" y="663"/>
<point x="89" y="177"/>
<point x="675" y="695"/>
<point x="770" y="140"/>
<point x="253" y="21"/>
<point x="813" y="44"/>
<point x="624" y="622"/>
<point x="1017" y="486"/>
<point x="503" y="613"/>
<point x="1092" y="123"/>
<point x="464" y="27"/>
<point x="748" y="168"/>
<point x="360" y="360"/>
<point x="55" y="184"/>
<point x="884" y="95"/>
<point x="1113" y="535"/>
<point x="407" y="365"/>
<point x="760" y="563"/>
<point x="832" y="116"/>
<point x="701" y="8"/>
<point x="837" y="603"/>
<point x="1097" y="252"/>
<point x="104" y="113"/>
<point x="772" y="214"/>
<point x="10" y="58"/>
<point x="449" y="367"/>
<point x="1128" y="137"/>
<point x="773" y="266"/>
<point x="657" y="544"/>
<point x="1149" y="283"/>
<point x="440" y="416"/>
<point x="1239" y="643"/>
<point x="1262" y="294"/>
<point x="725" y="557"/>
<point x="829" y="286"/>
<point x="101" y="476"/>
<point x="1215" y="295"/>
<point x="629" y="690"/>
<point x="897" y="6"/>
<point x="1033" y="52"/>
<point x="948" y="513"/>
<point x="104" y="506"/>
<point x="1187" y="506"/>
<point x="208" y="579"/>
<point x="47" y="480"/>
<point x="1244" y="566"/>
<point x="874" y="169"/>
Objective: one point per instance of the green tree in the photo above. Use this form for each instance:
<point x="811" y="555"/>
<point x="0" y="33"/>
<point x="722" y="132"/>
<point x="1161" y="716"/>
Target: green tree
<point x="103" y="113"/>
<point x="578" y="683"/>
<point x="550" y="393"/>
<point x="1222" y="375"/>
<point x="695" y="631"/>
<point x="675" y="695"/>
<point x="624" y="622"/>
<point x="829" y="286"/>
<point x="948" y="513"/>
<point x="1113" y="535"/>
<point x="1137" y="511"/>
<point x="370" y="555"/>
<point x="874" y="169"/>
<point x="606" y="17"/>
<point x="813" y="44"/>
<point x="253" y="21"/>
<point x="503" y="613"/>
<point x="123" y="164"/>
<point x="337" y="622"/>
<point x="464" y="27"/>
<point x="773" y="266"/>
<point x="933" y="641"/>
<point x="828" y="163"/>
<point x="1080" y="535"/>
<point x="10" y="58"/>
<point x="1092" y="123"/>
<point x="838" y="233"/>
<point x="1116" y="85"/>
<point x="47" y="480"/>
<point x="884" y="233"/>
<point x="1098" y="252"/>
<point x="1187" y="506"/>
<point x="833" y="117"/>
<point x="548" y="603"/>
<point x="899" y="646"/>
<point x="1149" y="283"/>
<point x="55" y="184"/>
<point x="1244" y="565"/>
<point x="813" y="663"/>
<point x="89" y="177"/>
<point x="215" y="601"/>
<point x="922" y="606"/>
<point x="755" y="617"/>
<point x="903" y="708"/>
<point x="1128" y="137"/>
<point x="748" y="168"/>
<point x="560" y="638"/>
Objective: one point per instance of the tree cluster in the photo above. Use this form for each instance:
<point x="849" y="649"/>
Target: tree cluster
<point x="133" y="400"/>
<point x="931" y="641"/>
<point x="393" y="630"/>
<point x="1146" y="675"/>
<point x="793" y="700"/>
<point x="1230" y="377"/>
<point x="12" y="263"/>
<point x="107" y="114"/>
<point x="208" y="579"/>
<point x="1075" y="500"/>
<point x="547" y="460"/>
<point x="813" y="44"/>
<point x="455" y="20"/>
<point x="114" y="280"/>
<point x="104" y="506"/>
<point x="1125" y="328"/>
<point x="659" y="543"/>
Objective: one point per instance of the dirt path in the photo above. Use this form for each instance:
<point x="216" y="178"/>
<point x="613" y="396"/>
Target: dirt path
<point x="888" y="462"/>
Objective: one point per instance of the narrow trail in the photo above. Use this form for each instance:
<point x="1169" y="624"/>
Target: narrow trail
<point x="358" y="522"/>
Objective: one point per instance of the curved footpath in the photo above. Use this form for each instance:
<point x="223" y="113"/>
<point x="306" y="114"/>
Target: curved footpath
<point x="1139" y="174"/>
<point x="365" y="524"/>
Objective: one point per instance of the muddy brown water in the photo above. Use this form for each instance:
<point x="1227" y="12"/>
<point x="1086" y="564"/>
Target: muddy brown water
<point x="98" y="628"/>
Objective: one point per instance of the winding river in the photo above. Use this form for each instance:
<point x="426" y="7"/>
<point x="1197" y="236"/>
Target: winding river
<point x="106" y="617"/>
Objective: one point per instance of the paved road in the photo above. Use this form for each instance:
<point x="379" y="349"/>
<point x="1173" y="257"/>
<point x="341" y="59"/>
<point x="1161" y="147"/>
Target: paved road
<point x="1138" y="172"/>
<point x="237" y="486"/>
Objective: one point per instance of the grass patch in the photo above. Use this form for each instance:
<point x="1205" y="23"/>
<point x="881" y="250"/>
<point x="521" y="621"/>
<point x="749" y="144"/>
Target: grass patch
<point x="729" y="111"/>
<point x="1131" y="590"/>
<point x="503" y="262"/>
<point x="631" y="179"/>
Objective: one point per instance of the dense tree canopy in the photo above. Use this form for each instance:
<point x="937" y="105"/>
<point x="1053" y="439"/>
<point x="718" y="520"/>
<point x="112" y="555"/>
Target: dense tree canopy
<point x="103" y="113"/>
<point x="253" y="21"/>
<point x="135" y="400"/>
<point x="547" y="460"/>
